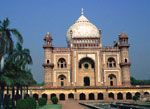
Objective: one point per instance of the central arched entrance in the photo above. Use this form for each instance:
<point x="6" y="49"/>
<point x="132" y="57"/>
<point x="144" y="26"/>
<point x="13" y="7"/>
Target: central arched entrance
<point x="86" y="81"/>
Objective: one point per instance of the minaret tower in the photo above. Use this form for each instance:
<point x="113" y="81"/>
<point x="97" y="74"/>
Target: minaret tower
<point x="124" y="56"/>
<point x="48" y="64"/>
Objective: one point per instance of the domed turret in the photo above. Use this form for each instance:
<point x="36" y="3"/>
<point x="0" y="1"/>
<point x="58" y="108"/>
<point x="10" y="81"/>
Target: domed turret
<point x="48" y="40"/>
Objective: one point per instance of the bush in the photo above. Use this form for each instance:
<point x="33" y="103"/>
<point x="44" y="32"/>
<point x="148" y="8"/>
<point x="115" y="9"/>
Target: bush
<point x="21" y="104"/>
<point x="42" y="101"/>
<point x="8" y="103"/>
<point x="135" y="97"/>
<point x="28" y="103"/>
<point x="54" y="100"/>
<point x="31" y="103"/>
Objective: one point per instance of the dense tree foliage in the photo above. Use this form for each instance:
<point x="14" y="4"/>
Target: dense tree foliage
<point x="139" y="82"/>
<point x="14" y="61"/>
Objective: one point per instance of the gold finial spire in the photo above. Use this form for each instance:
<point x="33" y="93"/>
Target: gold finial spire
<point x="82" y="11"/>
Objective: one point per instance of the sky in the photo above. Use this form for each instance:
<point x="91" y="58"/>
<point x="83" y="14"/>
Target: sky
<point x="34" y="18"/>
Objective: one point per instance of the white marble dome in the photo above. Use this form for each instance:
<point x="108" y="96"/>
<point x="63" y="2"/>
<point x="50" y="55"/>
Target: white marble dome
<point x="83" y="28"/>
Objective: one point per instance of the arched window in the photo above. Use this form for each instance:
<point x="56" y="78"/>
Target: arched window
<point x="86" y="63"/>
<point x="47" y="61"/>
<point x="111" y="62"/>
<point x="62" y="63"/>
<point x="126" y="60"/>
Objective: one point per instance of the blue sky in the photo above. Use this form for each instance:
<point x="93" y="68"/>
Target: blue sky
<point x="33" y="18"/>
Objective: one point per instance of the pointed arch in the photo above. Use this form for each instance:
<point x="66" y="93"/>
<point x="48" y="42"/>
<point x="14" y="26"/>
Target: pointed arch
<point x="53" y="95"/>
<point x="111" y="95"/>
<point x="61" y="63"/>
<point x="119" y="96"/>
<point x="111" y="63"/>
<point x="44" y="96"/>
<point x="82" y="96"/>
<point x="36" y="96"/>
<point x="100" y="96"/>
<point x="128" y="96"/>
<point x="87" y="63"/>
<point x="71" y="96"/>
<point x="62" y="96"/>
<point x="91" y="96"/>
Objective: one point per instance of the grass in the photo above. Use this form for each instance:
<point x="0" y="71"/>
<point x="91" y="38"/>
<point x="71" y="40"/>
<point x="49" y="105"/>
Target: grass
<point x="51" y="106"/>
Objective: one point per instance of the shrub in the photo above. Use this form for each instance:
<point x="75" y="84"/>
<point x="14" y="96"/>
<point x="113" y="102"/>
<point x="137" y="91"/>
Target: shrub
<point x="42" y="101"/>
<point x="31" y="103"/>
<point x="8" y="103"/>
<point x="135" y="97"/>
<point x="21" y="104"/>
<point x="54" y="100"/>
<point x="28" y="103"/>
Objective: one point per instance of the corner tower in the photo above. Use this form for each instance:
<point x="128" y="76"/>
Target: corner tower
<point x="125" y="62"/>
<point x="48" y="65"/>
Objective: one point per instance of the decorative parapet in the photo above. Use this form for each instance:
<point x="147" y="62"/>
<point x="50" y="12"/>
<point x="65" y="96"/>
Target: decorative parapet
<point x="125" y="64"/>
<point x="61" y="49"/>
<point x="51" y="65"/>
<point x="89" y="87"/>
<point x="110" y="49"/>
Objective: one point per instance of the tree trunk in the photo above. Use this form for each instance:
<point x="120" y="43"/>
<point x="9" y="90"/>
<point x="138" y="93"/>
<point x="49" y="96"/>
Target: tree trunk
<point x="17" y="93"/>
<point x="2" y="96"/>
<point x="21" y="91"/>
<point x="13" y="97"/>
<point x="7" y="90"/>
<point x="27" y="89"/>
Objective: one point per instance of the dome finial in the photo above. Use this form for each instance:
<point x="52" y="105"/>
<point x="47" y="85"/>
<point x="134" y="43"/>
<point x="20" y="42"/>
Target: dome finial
<point x="82" y="11"/>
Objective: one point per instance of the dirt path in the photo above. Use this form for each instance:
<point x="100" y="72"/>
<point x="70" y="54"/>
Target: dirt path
<point x="71" y="104"/>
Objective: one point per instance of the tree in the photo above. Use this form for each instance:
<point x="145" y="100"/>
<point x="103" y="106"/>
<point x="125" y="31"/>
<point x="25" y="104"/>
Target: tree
<point x="22" y="58"/>
<point x="139" y="82"/>
<point x="6" y="47"/>
<point x="136" y="97"/>
<point x="16" y="69"/>
<point x="6" y="40"/>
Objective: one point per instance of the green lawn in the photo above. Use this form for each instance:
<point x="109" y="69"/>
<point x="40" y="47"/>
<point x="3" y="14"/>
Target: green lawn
<point x="51" y="106"/>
